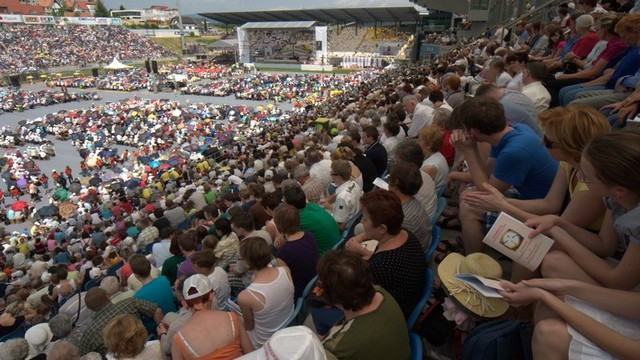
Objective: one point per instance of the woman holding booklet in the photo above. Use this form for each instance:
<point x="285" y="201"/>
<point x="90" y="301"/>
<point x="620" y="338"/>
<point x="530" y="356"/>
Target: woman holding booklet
<point x="593" y="322"/>
<point x="609" y="166"/>
<point x="566" y="132"/>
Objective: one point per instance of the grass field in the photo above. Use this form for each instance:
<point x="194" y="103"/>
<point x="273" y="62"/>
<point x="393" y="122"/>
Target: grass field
<point x="173" y="43"/>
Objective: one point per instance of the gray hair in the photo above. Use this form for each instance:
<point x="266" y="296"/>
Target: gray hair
<point x="110" y="285"/>
<point x="300" y="171"/>
<point x="442" y="115"/>
<point x="17" y="349"/>
<point x="289" y="183"/>
<point x="63" y="350"/>
<point x="61" y="325"/>
<point x="409" y="99"/>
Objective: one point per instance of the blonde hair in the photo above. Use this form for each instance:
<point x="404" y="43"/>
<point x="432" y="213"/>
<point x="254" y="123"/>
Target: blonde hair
<point x="342" y="153"/>
<point x="432" y="136"/>
<point x="573" y="127"/>
<point x="629" y="22"/>
<point x="125" y="336"/>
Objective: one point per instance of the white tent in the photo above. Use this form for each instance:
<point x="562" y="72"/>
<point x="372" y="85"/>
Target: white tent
<point x="116" y="65"/>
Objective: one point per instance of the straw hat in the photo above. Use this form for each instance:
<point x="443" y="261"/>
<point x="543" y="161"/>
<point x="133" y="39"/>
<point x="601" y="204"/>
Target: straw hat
<point x="477" y="264"/>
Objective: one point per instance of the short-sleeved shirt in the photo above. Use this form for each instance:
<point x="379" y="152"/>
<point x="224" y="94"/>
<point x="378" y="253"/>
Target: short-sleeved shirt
<point x="416" y="220"/>
<point x="157" y="291"/>
<point x="626" y="223"/>
<point x="347" y="203"/>
<point x="402" y="272"/>
<point x="519" y="109"/>
<point x="363" y="337"/>
<point x="522" y="162"/>
<point x="318" y="221"/>
<point x="92" y="335"/>
<point x="186" y="267"/>
<point x="170" y="268"/>
<point x="301" y="256"/>
<point x="584" y="44"/>
<point x="614" y="47"/>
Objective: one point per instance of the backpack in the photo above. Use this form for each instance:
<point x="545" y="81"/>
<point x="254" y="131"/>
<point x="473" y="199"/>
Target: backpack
<point x="500" y="339"/>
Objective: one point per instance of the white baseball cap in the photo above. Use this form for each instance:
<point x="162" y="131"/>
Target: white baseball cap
<point x="198" y="282"/>
<point x="292" y="343"/>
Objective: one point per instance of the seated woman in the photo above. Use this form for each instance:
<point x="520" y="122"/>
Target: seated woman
<point x="435" y="164"/>
<point x="592" y="322"/>
<point x="566" y="132"/>
<point x="345" y="281"/>
<point x="125" y="337"/>
<point x="609" y="167"/>
<point x="267" y="302"/>
<point x="398" y="263"/>
<point x="299" y="251"/>
<point x="208" y="334"/>
<point x="562" y="89"/>
<point x="405" y="181"/>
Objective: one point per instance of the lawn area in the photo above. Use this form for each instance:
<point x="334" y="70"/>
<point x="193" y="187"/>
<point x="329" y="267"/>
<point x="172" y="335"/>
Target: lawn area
<point x="173" y="43"/>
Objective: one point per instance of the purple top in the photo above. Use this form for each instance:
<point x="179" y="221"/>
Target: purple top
<point x="301" y="256"/>
<point x="186" y="267"/>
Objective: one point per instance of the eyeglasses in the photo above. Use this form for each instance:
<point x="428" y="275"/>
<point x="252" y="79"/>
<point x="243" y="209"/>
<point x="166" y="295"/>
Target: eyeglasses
<point x="548" y="143"/>
<point x="585" y="179"/>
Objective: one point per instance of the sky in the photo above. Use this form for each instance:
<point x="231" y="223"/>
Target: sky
<point x="199" y="6"/>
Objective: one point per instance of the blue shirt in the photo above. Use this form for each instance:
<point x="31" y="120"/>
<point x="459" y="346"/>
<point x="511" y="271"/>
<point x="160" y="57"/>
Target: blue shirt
<point x="522" y="162"/>
<point x="519" y="109"/>
<point x="157" y="291"/>
<point x="569" y="45"/>
<point x="628" y="65"/>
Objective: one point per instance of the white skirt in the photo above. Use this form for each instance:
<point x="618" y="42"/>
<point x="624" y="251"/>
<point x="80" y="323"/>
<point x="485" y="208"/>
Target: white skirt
<point x="582" y="348"/>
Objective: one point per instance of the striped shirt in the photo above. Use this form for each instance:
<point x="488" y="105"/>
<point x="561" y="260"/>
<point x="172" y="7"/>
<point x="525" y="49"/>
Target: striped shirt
<point x="417" y="221"/>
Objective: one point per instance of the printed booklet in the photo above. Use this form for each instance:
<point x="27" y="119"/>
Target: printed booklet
<point x="509" y="236"/>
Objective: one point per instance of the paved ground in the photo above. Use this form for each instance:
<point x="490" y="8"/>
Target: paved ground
<point x="66" y="154"/>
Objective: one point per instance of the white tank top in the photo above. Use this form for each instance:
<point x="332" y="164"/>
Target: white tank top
<point x="278" y="306"/>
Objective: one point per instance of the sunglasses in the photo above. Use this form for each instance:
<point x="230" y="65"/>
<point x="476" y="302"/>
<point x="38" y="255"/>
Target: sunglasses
<point x="548" y="143"/>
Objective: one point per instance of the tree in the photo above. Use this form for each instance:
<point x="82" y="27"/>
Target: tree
<point x="122" y="7"/>
<point x="101" y="10"/>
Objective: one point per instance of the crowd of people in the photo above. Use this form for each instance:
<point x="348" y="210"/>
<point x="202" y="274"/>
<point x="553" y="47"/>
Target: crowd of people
<point x="30" y="48"/>
<point x="282" y="44"/>
<point x="220" y="228"/>
<point x="12" y="99"/>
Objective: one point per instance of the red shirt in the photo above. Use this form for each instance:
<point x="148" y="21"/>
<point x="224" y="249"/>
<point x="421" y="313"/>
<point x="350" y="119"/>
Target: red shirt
<point x="447" y="150"/>
<point x="583" y="46"/>
<point x="614" y="47"/>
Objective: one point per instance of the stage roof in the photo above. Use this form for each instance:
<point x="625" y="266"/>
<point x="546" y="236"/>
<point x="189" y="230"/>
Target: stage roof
<point x="279" y="25"/>
<point x="405" y="14"/>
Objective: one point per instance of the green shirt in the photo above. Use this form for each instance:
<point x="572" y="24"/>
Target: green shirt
<point x="170" y="268"/>
<point x="210" y="197"/>
<point x="321" y="224"/>
<point x="363" y="338"/>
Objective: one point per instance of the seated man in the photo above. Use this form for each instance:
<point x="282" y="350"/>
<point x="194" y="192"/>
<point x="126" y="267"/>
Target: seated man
<point x="532" y="76"/>
<point x="518" y="108"/>
<point x="156" y="290"/>
<point x="517" y="160"/>
<point x="105" y="311"/>
<point x="348" y="193"/>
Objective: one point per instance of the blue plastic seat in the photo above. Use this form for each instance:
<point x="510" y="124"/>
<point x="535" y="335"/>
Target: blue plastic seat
<point x="436" y="237"/>
<point x="416" y="346"/>
<point x="442" y="204"/>
<point x="348" y="231"/>
<point x="426" y="293"/>
<point x="291" y="320"/>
